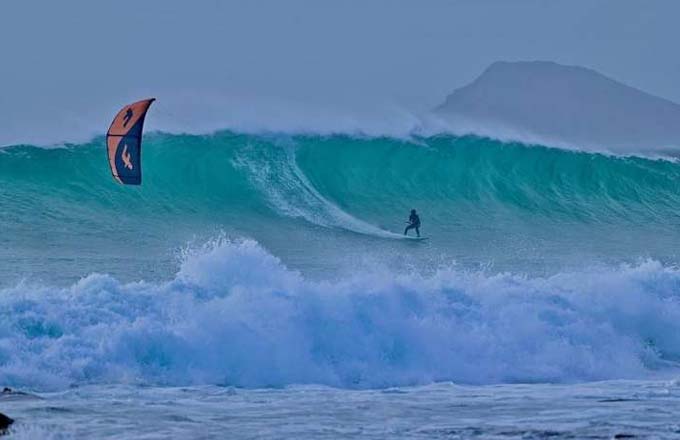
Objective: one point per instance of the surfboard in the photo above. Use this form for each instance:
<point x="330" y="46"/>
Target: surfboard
<point x="416" y="238"/>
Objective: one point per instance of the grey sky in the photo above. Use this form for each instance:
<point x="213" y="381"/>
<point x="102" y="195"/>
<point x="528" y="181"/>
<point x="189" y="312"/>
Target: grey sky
<point x="68" y="65"/>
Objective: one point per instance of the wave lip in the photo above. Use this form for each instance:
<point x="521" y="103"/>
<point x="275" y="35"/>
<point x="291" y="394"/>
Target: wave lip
<point x="235" y="315"/>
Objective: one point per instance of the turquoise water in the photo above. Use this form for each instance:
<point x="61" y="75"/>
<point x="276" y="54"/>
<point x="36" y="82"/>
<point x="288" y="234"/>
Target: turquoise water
<point x="484" y="203"/>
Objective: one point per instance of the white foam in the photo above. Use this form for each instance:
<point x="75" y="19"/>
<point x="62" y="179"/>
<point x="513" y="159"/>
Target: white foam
<point x="235" y="315"/>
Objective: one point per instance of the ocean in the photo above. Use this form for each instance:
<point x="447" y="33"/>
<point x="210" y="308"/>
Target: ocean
<point x="260" y="286"/>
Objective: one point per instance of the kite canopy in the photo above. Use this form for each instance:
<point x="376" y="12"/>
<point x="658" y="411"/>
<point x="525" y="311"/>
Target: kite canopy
<point x="124" y="142"/>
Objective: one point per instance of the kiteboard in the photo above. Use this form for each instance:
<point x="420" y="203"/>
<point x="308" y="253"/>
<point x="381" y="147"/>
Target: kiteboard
<point x="416" y="238"/>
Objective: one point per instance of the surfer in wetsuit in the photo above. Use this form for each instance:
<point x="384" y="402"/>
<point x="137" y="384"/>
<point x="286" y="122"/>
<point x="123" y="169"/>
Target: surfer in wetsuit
<point x="413" y="223"/>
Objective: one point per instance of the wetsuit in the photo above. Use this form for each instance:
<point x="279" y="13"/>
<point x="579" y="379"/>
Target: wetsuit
<point x="414" y="223"/>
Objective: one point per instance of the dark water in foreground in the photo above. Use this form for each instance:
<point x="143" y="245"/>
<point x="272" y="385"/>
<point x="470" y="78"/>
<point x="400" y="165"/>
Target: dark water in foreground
<point x="600" y="410"/>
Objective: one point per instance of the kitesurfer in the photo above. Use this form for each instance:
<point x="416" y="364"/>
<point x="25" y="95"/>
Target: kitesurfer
<point x="413" y="223"/>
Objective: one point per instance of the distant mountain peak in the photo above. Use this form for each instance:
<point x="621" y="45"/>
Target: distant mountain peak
<point x="572" y="104"/>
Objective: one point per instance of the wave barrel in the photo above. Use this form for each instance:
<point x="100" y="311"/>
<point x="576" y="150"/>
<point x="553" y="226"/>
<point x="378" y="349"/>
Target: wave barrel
<point x="124" y="142"/>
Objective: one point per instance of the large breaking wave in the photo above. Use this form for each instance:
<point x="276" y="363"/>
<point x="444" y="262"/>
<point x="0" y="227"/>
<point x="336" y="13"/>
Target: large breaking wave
<point x="340" y="181"/>
<point x="235" y="315"/>
<point x="314" y="198"/>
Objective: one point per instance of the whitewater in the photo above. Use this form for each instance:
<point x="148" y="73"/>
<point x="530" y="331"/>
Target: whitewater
<point x="267" y="274"/>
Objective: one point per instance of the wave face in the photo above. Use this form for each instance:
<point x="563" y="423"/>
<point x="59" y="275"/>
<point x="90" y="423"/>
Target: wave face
<point x="483" y="202"/>
<point x="235" y="315"/>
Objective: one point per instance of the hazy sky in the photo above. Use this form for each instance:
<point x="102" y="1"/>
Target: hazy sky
<point x="68" y="65"/>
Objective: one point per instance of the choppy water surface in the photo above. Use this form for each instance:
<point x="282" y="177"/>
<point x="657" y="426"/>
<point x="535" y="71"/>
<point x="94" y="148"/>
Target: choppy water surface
<point x="601" y="410"/>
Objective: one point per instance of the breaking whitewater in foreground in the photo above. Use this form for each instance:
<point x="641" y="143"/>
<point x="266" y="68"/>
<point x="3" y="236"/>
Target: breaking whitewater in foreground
<point x="235" y="316"/>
